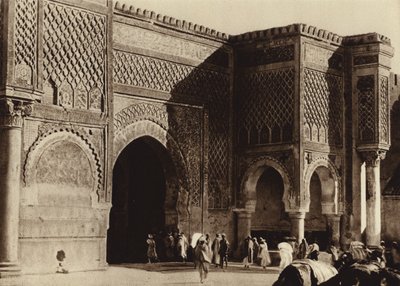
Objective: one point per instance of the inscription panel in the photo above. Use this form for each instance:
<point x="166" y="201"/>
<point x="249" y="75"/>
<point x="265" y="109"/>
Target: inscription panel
<point x="145" y="39"/>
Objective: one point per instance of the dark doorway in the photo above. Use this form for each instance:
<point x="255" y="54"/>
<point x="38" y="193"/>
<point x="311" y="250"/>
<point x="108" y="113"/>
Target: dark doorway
<point x="139" y="190"/>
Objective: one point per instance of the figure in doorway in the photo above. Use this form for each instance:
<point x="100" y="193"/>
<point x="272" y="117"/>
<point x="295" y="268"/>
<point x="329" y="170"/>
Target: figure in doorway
<point x="202" y="260"/>
<point x="169" y="243"/>
<point x="223" y="251"/>
<point x="151" y="249"/>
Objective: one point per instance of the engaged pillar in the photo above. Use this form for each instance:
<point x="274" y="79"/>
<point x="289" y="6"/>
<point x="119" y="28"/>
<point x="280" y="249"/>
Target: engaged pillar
<point x="373" y="196"/>
<point x="334" y="228"/>
<point x="297" y="224"/>
<point x="11" y="113"/>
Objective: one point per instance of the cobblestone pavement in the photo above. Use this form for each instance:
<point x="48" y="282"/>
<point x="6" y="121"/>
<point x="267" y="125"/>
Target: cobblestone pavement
<point x="159" y="274"/>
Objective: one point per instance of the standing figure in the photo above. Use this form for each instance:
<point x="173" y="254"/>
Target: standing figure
<point x="182" y="247"/>
<point x="202" y="259"/>
<point x="303" y="249"/>
<point x="151" y="249"/>
<point x="247" y="252"/>
<point x="215" y="250"/>
<point x="223" y="251"/>
<point x="256" y="250"/>
<point x="264" y="254"/>
<point x="169" y="246"/>
<point x="286" y="253"/>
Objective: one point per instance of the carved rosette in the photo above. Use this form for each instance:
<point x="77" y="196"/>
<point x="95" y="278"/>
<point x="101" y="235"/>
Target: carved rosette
<point x="12" y="112"/>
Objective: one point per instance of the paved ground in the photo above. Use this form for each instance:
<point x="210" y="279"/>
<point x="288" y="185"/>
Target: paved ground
<point x="142" y="274"/>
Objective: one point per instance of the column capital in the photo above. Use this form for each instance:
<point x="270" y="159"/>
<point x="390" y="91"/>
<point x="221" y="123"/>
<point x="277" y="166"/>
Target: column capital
<point x="297" y="215"/>
<point x="12" y="112"/>
<point x="372" y="158"/>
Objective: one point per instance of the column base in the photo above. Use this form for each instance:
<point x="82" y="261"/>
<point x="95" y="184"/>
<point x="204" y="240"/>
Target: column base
<point x="9" y="269"/>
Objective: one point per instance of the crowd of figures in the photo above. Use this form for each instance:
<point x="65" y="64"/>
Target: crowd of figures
<point x="167" y="247"/>
<point x="358" y="265"/>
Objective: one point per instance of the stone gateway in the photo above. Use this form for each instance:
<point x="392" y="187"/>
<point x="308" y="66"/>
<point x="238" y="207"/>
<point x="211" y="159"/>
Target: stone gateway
<point x="116" y="122"/>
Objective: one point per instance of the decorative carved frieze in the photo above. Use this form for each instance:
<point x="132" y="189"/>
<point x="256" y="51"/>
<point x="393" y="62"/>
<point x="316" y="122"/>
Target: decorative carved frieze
<point x="323" y="108"/>
<point x="161" y="75"/>
<point x="25" y="41"/>
<point x="159" y="42"/>
<point x="12" y="112"/>
<point x="265" y="56"/>
<point x="267" y="107"/>
<point x="74" y="59"/>
<point x="366" y="108"/>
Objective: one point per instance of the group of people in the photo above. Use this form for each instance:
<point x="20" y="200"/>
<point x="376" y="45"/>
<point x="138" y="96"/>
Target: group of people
<point x="171" y="247"/>
<point x="255" y="251"/>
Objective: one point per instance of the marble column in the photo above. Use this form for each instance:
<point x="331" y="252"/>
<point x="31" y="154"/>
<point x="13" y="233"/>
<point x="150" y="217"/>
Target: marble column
<point x="373" y="196"/>
<point x="334" y="228"/>
<point x="297" y="224"/>
<point x="11" y="118"/>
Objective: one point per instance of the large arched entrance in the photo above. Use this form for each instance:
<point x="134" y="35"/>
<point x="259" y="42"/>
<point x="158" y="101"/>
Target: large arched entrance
<point x="270" y="220"/>
<point x="143" y="199"/>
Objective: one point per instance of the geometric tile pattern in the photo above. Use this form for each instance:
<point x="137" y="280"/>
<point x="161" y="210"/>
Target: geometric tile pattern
<point x="267" y="106"/>
<point x="25" y="40"/>
<point x="74" y="52"/>
<point x="141" y="71"/>
<point x="219" y="137"/>
<point x="366" y="108"/>
<point x="323" y="107"/>
<point x="384" y="115"/>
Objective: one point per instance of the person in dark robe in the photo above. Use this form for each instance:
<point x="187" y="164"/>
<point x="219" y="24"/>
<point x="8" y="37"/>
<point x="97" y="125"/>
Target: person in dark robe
<point x="223" y="251"/>
<point x="247" y="252"/>
<point x="215" y="250"/>
<point x="256" y="250"/>
<point x="202" y="260"/>
<point x="169" y="247"/>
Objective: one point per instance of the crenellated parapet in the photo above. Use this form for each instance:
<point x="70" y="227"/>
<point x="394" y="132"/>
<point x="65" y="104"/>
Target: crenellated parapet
<point x="169" y="22"/>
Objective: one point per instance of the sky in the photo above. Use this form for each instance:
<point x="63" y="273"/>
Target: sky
<point x="343" y="17"/>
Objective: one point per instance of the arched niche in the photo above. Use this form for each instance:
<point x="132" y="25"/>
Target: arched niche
<point x="329" y="178"/>
<point x="61" y="170"/>
<point x="252" y="176"/>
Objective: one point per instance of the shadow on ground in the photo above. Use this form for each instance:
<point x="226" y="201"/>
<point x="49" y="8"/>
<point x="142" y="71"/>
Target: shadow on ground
<point x="172" y="267"/>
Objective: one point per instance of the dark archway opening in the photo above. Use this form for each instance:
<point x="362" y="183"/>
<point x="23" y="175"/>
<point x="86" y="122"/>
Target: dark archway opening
<point x="270" y="220"/>
<point x="316" y="230"/>
<point x="138" y="200"/>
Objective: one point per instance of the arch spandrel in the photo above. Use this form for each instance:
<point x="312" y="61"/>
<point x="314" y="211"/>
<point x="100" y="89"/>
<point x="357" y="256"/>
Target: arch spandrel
<point x="252" y="175"/>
